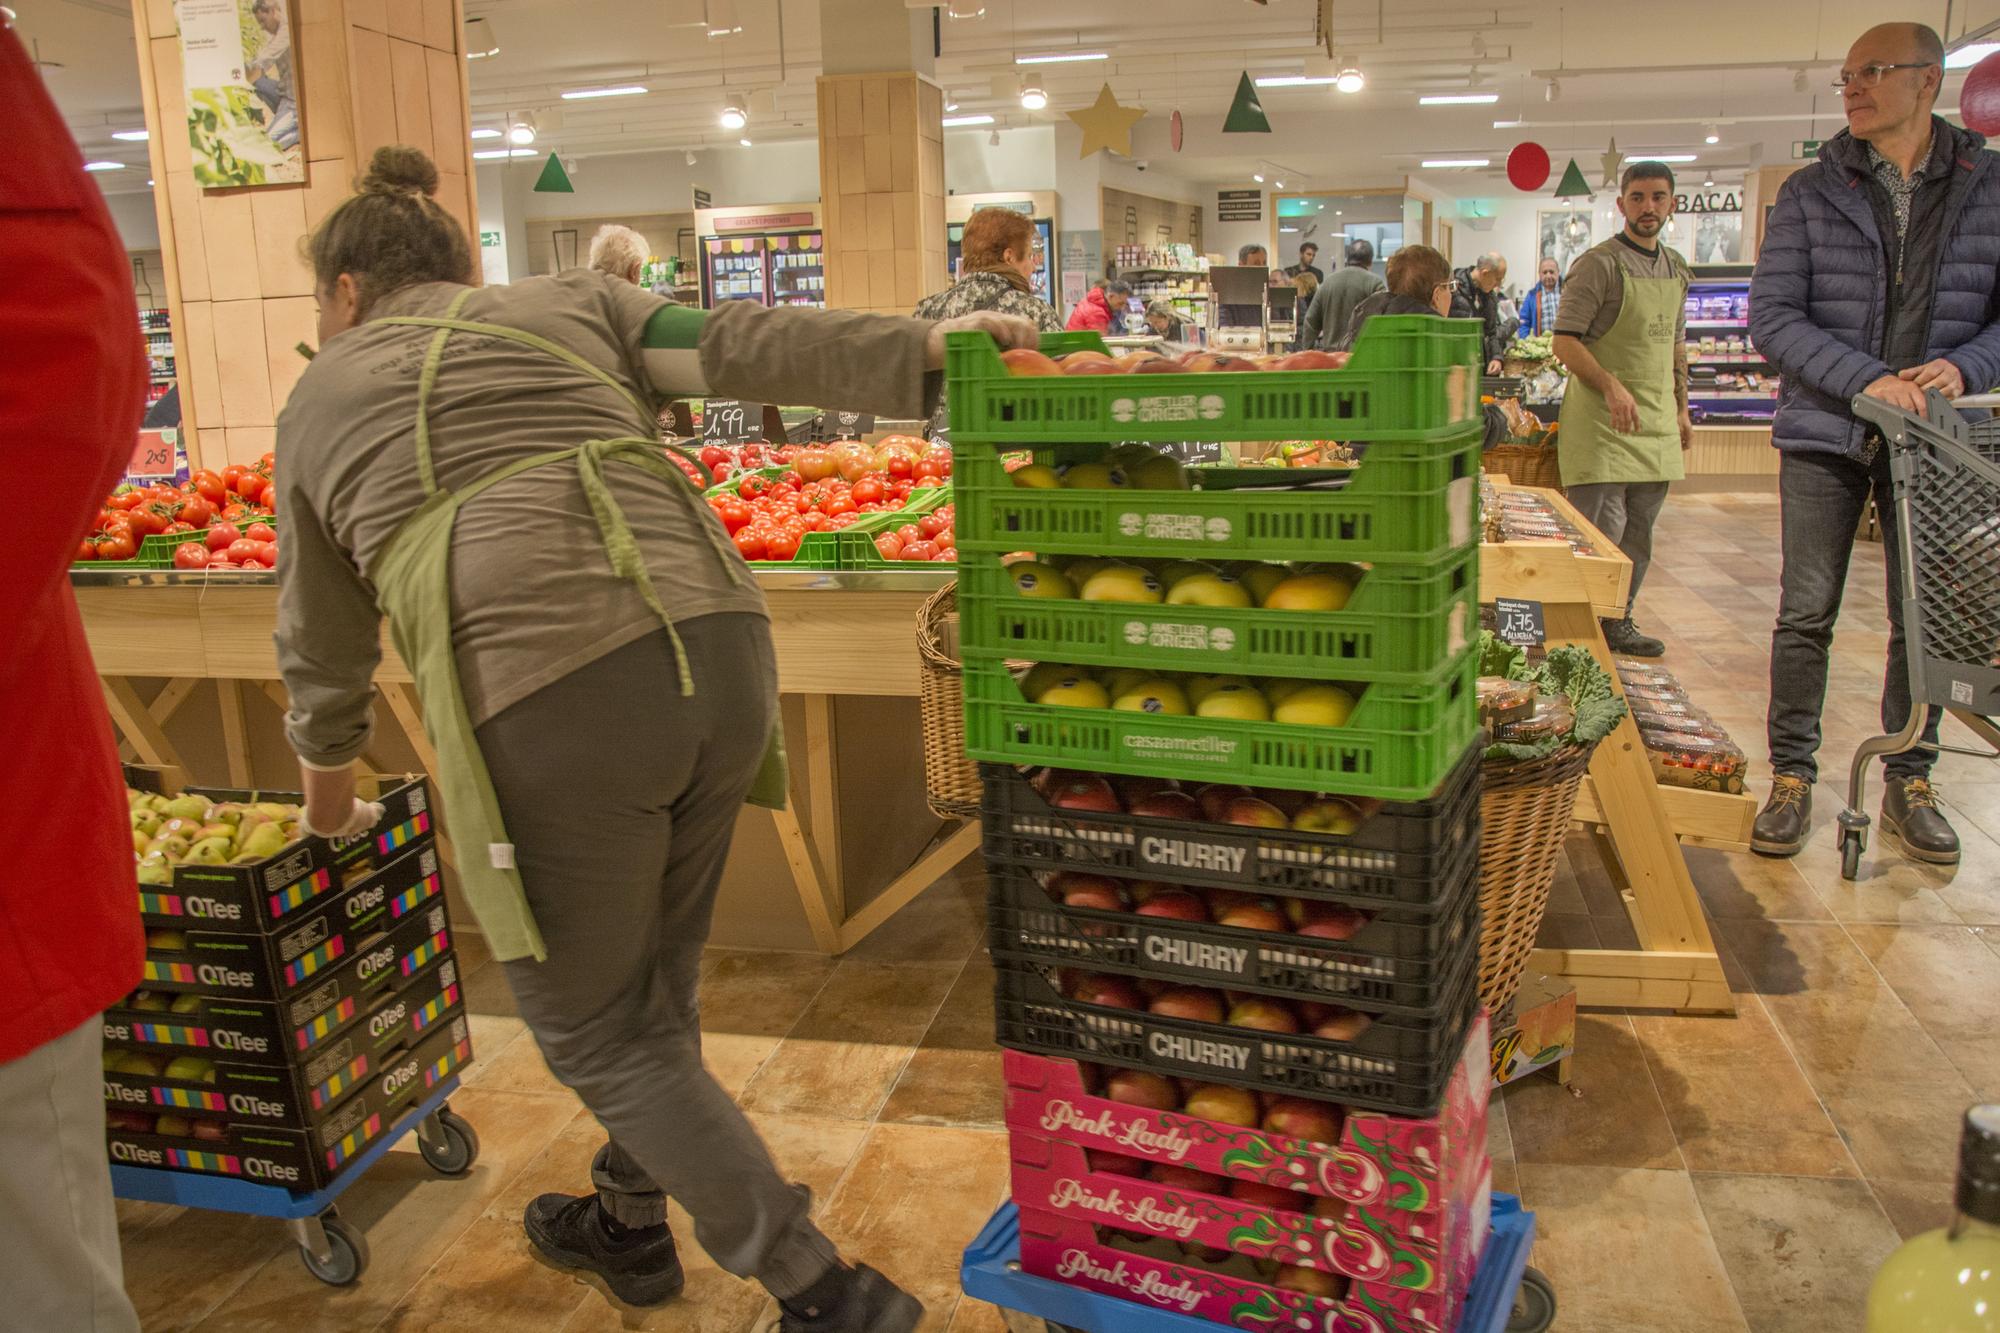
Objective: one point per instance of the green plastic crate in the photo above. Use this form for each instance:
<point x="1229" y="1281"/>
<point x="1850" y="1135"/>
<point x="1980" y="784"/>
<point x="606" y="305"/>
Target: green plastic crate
<point x="1405" y="503"/>
<point x="1400" y="744"/>
<point x="853" y="547"/>
<point x="1412" y="377"/>
<point x="1403" y="624"/>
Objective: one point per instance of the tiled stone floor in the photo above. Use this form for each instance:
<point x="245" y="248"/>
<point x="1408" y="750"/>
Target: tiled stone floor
<point x="1703" y="1174"/>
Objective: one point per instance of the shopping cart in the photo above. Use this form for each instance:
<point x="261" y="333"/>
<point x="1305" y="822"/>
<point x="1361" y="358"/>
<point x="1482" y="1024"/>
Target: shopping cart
<point x="1945" y="468"/>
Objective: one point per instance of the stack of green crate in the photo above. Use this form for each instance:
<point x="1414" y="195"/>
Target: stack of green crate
<point x="1402" y="646"/>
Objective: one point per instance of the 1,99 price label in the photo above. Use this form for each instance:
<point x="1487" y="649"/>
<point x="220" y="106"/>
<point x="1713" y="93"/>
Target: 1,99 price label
<point x="155" y="458"/>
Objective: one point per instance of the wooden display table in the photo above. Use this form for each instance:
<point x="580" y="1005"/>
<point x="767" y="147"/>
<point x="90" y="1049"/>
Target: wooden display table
<point x="856" y="850"/>
<point x="1638" y="822"/>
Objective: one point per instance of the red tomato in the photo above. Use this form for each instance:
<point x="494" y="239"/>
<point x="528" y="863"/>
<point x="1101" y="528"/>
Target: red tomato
<point x="842" y="521"/>
<point x="889" y="545"/>
<point x="934" y="468"/>
<point x="781" y="546"/>
<point x="711" y="454"/>
<point x="268" y="497"/>
<point x="248" y="485"/>
<point x="191" y="555"/>
<point x="86" y="551"/>
<point x="910" y="532"/>
<point x="260" y="532"/>
<point x="219" y="563"/>
<point x="840" y="504"/>
<point x="177" y="527"/>
<point x="868" y="489"/>
<point x="920" y="550"/>
<point x="117" y="544"/>
<point x="947" y="539"/>
<point x="220" y="535"/>
<point x="791" y="481"/>
<point x="197" y="511"/>
<point x="872" y="507"/>
<point x="899" y="463"/>
<point x="209" y="487"/>
<point x="243" y="550"/>
<point x="930" y="524"/>
<point x="750" y="543"/>
<point x="817" y="522"/>
<point x="266" y="555"/>
<point x="125" y="501"/>
<point x="721" y="472"/>
<point x="267" y="464"/>
<point x="753" y="486"/>
<point x="734" y="514"/>
<point x="147" y="521"/>
<point x="945" y="553"/>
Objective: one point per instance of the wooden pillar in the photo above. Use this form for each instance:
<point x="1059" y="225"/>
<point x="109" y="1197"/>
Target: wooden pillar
<point x="881" y="172"/>
<point x="367" y="73"/>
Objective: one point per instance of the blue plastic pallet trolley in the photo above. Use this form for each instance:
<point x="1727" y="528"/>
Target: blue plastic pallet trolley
<point x="331" y="1250"/>
<point x="1507" y="1296"/>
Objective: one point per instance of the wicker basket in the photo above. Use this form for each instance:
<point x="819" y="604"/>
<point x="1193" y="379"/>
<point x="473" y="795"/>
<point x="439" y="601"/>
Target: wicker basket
<point x="1525" y="810"/>
<point x="951" y="780"/>
<point x="1524" y="464"/>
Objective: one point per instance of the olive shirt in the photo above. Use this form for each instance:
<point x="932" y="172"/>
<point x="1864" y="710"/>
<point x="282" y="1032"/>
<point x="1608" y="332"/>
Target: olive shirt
<point x="1593" y="294"/>
<point x="533" y="596"/>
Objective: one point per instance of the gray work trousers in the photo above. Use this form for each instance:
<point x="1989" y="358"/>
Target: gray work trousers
<point x="620" y="797"/>
<point x="1624" y="511"/>
<point x="59" y="1261"/>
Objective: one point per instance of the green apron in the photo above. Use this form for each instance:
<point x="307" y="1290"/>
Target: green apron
<point x="412" y="578"/>
<point x="1639" y="350"/>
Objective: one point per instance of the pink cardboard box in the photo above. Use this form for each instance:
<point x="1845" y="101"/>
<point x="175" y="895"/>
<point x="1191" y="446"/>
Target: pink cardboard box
<point x="1395" y="1172"/>
<point x="1156" y="1272"/>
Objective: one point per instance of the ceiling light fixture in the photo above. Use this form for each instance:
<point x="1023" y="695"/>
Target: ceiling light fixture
<point x="745" y="142"/>
<point x="1294" y="80"/>
<point x="1458" y="99"/>
<point x="964" y="9"/>
<point x="1798" y="80"/>
<point x="993" y="139"/>
<point x="1279" y="185"/>
<point x="521" y="129"/>
<point x="131" y="136"/>
<point x="1708" y="184"/>
<point x="733" y="116"/>
<point x="950" y="102"/>
<point x="488" y="154"/>
<point x="1657" y="157"/>
<point x="486" y="134"/>
<point x="1063" y="58"/>
<point x="104" y="166"/>
<point x="954" y="121"/>
<point x="688" y="157"/>
<point x="1969" y="55"/>
<point x="720" y="16"/>
<point x="1033" y="96"/>
<point x="479" y="40"/>
<point x="1257" y="176"/>
<point x="1554" y="92"/>
<point x="1349" y="80"/>
<point x="622" y="90"/>
<point x="1714" y="135"/>
<point x="1441" y="163"/>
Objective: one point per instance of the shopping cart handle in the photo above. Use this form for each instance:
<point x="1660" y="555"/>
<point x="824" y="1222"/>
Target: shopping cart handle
<point x="1938" y="411"/>
<point x="1977" y="400"/>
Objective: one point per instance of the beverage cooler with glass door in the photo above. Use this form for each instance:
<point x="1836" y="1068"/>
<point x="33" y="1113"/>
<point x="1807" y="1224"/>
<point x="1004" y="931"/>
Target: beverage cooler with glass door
<point x="774" y="255"/>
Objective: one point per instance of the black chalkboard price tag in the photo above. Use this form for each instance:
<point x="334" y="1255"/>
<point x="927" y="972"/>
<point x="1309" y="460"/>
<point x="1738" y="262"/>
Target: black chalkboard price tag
<point x="844" y="425"/>
<point x="731" y="420"/>
<point x="1520" y="621"/>
<point x="1191" y="452"/>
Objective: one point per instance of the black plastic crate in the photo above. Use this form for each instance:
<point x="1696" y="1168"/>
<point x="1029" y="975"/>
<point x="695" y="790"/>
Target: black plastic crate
<point x="1401" y="1064"/>
<point x="1401" y="853"/>
<point x="1405" y="960"/>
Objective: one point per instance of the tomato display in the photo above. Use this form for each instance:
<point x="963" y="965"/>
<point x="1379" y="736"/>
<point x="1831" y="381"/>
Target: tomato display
<point x="211" y="510"/>
<point x="826" y="489"/>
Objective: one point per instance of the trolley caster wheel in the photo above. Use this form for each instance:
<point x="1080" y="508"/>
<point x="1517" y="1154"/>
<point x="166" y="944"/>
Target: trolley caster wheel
<point x="1850" y="855"/>
<point x="1534" y="1303"/>
<point x="347" y="1256"/>
<point x="448" y="1143"/>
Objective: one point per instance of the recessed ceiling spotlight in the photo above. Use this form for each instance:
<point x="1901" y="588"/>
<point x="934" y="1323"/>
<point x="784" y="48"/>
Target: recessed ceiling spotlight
<point x="733" y="116"/>
<point x="1349" y="80"/>
<point x="521" y="130"/>
<point x="1033" y="96"/>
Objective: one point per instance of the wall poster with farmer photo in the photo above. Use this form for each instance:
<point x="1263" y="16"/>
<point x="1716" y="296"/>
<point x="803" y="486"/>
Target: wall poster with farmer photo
<point x="242" y="92"/>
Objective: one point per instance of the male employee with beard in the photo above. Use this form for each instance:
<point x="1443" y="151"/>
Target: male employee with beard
<point x="1621" y="330"/>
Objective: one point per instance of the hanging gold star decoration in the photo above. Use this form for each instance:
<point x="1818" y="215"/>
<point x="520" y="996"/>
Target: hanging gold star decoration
<point x="1105" y="124"/>
<point x="1612" y="160"/>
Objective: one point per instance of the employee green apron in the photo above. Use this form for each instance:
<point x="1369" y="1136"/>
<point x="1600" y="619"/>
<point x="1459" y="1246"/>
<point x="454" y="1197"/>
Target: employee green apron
<point x="412" y="580"/>
<point x="1639" y="351"/>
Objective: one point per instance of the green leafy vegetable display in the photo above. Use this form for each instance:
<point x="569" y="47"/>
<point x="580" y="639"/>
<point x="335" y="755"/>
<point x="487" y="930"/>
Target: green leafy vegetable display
<point x="1539" y="347"/>
<point x="1568" y="670"/>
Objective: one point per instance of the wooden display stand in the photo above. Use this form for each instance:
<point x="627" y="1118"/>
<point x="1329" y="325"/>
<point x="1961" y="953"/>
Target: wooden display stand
<point x="1638" y="822"/>
<point x="836" y="636"/>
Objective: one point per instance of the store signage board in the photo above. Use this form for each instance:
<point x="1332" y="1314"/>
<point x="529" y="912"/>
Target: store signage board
<point x="1805" y="149"/>
<point x="156" y="457"/>
<point x="1520" y="621"/>
<point x="1711" y="201"/>
<point x="1191" y="452"/>
<point x="1239" y="205"/>
<point x="731" y="421"/>
<point x="243" y="115"/>
<point x="763" y="221"/>
<point x="843" y="425"/>
<point x="701" y="198"/>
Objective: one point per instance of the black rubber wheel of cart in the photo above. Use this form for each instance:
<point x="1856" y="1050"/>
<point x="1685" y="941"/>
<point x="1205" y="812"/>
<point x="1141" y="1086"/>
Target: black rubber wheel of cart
<point x="1850" y="854"/>
<point x="349" y="1257"/>
<point x="461" y="1145"/>
<point x="1534" y="1303"/>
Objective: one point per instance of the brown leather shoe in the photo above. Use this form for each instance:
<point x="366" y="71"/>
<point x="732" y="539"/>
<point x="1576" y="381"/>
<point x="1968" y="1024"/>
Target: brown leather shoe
<point x="1782" y="824"/>
<point x="1910" y="811"/>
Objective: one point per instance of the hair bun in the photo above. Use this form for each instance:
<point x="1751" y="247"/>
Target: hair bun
<point x="400" y="169"/>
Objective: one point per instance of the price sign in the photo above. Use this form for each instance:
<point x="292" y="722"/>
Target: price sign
<point x="731" y="421"/>
<point x="1193" y="451"/>
<point x="155" y="458"/>
<point x="1520" y="621"/>
<point x="941" y="435"/>
<point x="843" y="425"/>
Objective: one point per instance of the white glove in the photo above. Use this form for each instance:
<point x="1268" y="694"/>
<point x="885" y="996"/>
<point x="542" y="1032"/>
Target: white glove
<point x="361" y="816"/>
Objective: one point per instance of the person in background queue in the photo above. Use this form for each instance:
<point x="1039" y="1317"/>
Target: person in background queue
<point x="1539" y="306"/>
<point x="1476" y="295"/>
<point x="1103" y="308"/>
<point x="1164" y="320"/>
<point x="1308" y="252"/>
<point x="1332" y="308"/>
<point x="998" y="259"/>
<point x="1420" y="284"/>
<point x="619" y="252"/>
<point x="1621" y="331"/>
<point x="73" y="374"/>
<point x="1253" y="256"/>
<point x="1876" y="277"/>
<point x="415" y="475"/>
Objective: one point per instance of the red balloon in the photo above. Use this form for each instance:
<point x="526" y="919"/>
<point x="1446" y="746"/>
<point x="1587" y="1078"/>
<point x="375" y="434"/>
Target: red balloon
<point x="1979" y="99"/>
<point x="1528" y="166"/>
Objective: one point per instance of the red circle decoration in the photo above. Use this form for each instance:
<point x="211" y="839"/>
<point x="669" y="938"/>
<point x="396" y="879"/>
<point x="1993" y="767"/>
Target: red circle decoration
<point x="1176" y="125"/>
<point x="1528" y="166"/>
<point x="1979" y="99"/>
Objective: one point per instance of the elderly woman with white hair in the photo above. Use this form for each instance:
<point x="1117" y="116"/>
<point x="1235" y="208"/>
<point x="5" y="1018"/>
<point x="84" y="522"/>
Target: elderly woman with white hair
<point x="619" y="251"/>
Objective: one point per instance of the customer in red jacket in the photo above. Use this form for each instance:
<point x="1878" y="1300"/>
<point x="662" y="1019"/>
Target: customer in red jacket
<point x="1101" y="308"/>
<point x="72" y="389"/>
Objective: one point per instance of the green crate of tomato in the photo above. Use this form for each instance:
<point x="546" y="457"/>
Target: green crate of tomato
<point x="854" y="546"/>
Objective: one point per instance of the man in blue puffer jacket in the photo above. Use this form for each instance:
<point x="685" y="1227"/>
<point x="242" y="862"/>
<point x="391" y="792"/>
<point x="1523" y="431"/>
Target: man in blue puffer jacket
<point x="1878" y="276"/>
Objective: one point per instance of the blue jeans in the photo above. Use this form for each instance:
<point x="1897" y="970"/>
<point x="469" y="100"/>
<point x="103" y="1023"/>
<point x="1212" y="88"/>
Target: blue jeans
<point x="1822" y="497"/>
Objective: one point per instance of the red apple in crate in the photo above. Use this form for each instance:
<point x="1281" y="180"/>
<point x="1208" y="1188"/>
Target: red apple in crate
<point x="1142" y="890"/>
<point x="1309" y="361"/>
<point x="1136" y="1087"/>
<point x="1329" y="814"/>
<point x="1084" y="793"/>
<point x="1082" y="890"/>
<point x="128" y="1122"/>
<point x="1221" y="1103"/>
<point x="1204" y="1254"/>
<point x="1110" y="992"/>
<point x="1221" y="900"/>
<point x="1344" y="1025"/>
<point x="1288" y="801"/>
<point x="1310" y="1281"/>
<point x="1263" y="1015"/>
<point x="1174" y="905"/>
<point x="1159" y="365"/>
<point x="1137" y="788"/>
<point x="1255" y="812"/>
<point x="1189" y="1002"/>
<point x="1187" y="1178"/>
<point x="1116" y="1163"/>
<point x="1334" y="923"/>
<point x="1267" y="1196"/>
<point x="1260" y="914"/>
<point x="1215" y="800"/>
<point x="1298" y="1118"/>
<point x="1176" y="805"/>
<point x="214" y="1131"/>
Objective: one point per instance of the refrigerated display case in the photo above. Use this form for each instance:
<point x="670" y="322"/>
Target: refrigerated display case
<point x="773" y="256"/>
<point x="1729" y="381"/>
<point x="1039" y="205"/>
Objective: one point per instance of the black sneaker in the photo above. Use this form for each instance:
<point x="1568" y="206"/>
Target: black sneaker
<point x="641" y="1267"/>
<point x="851" y="1300"/>
<point x="1909" y="810"/>
<point x="1782" y="824"/>
<point x="1623" y="638"/>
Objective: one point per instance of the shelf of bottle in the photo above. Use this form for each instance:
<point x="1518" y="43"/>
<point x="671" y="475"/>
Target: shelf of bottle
<point x="1718" y="323"/>
<point x="1733" y="395"/>
<point x="1726" y="359"/>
